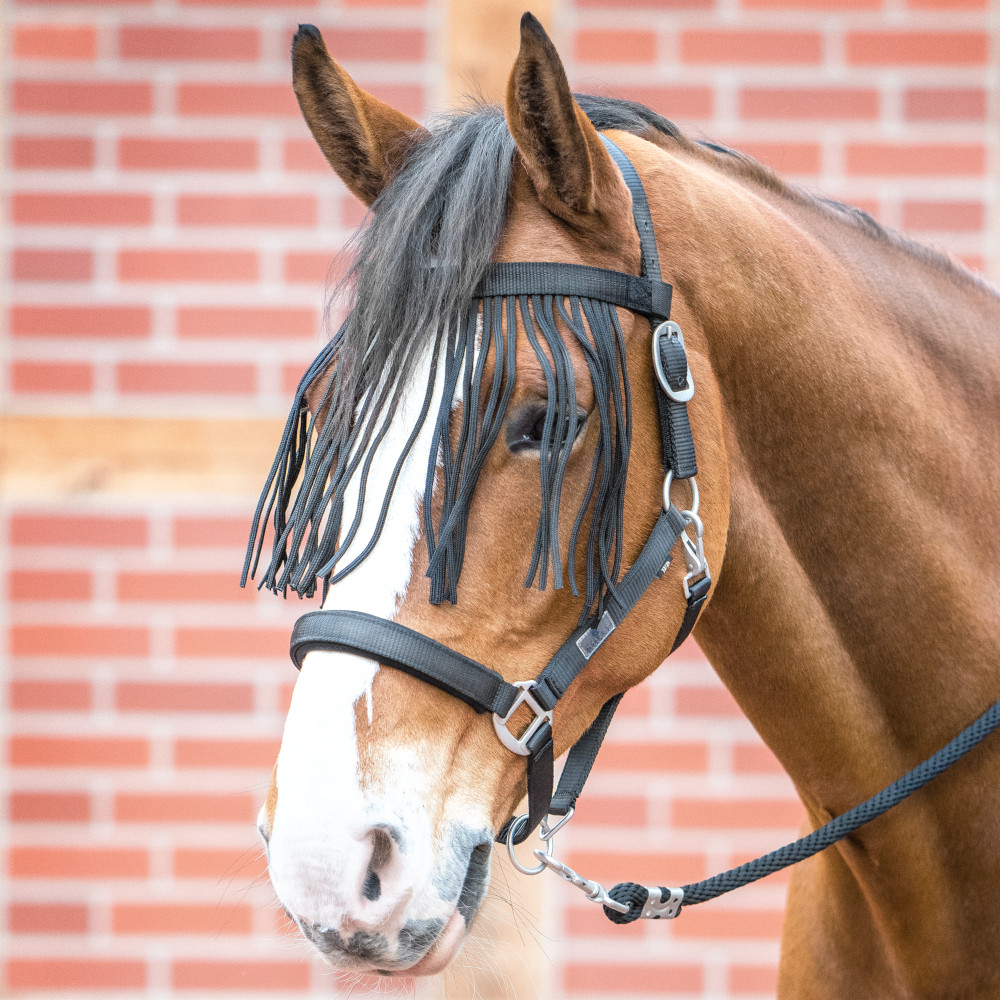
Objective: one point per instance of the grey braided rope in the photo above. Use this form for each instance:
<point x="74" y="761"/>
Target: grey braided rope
<point x="635" y="895"/>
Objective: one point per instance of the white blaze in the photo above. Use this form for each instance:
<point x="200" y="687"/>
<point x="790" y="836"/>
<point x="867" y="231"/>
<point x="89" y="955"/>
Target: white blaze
<point x="322" y="815"/>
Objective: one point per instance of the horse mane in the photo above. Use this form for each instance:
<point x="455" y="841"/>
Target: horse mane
<point x="611" y="112"/>
<point x="417" y="262"/>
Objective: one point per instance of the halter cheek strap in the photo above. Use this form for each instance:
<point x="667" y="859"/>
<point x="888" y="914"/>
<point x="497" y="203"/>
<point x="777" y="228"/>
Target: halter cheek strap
<point x="484" y="689"/>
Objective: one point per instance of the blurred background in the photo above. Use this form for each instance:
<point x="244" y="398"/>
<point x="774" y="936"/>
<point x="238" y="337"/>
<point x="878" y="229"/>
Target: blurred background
<point x="169" y="228"/>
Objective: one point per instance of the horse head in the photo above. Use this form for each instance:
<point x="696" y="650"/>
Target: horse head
<point x="480" y="470"/>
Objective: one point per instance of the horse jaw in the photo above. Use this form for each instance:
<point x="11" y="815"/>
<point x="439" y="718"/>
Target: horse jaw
<point x="375" y="879"/>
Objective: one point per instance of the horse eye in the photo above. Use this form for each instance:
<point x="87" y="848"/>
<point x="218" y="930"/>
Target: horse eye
<point x="526" y="427"/>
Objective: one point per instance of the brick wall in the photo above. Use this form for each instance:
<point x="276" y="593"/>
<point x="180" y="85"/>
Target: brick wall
<point x="170" y="229"/>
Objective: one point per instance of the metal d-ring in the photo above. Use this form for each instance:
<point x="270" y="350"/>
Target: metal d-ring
<point x="695" y="499"/>
<point x="515" y="828"/>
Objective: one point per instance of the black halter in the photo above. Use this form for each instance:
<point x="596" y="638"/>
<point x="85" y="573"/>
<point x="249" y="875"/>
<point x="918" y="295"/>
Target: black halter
<point x="484" y="689"/>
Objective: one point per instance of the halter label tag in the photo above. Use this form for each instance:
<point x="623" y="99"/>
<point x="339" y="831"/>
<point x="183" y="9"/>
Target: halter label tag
<point x="589" y="642"/>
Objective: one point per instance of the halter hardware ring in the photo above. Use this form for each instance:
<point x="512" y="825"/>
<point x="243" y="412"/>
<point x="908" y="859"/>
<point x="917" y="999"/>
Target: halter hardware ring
<point x="669" y="328"/>
<point x="542" y="715"/>
<point x="695" y="499"/>
<point x="515" y="829"/>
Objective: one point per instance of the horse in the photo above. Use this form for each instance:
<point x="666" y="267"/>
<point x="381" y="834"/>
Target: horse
<point x="846" y="421"/>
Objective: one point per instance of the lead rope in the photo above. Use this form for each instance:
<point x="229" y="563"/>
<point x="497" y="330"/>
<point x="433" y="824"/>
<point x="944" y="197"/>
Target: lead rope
<point x="628" y="901"/>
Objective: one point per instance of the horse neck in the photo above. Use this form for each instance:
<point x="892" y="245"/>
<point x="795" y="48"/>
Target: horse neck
<point x="855" y="614"/>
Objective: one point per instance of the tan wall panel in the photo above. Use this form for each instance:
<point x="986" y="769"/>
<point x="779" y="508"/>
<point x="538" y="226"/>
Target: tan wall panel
<point x="483" y="39"/>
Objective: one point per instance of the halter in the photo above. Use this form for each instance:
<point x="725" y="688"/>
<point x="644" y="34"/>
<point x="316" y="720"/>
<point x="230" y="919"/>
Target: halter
<point x="477" y="685"/>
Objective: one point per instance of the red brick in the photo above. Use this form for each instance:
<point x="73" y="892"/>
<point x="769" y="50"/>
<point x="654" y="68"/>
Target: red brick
<point x="52" y="152"/>
<point x="232" y="642"/>
<point x="948" y="4"/>
<point x="605" y="45"/>
<point x="96" y="863"/>
<point x="253" y="754"/>
<point x="165" y="808"/>
<point x="945" y="104"/>
<point x="38" y="695"/>
<point x="659" y="758"/>
<point x="617" y="978"/>
<point x="243" y="975"/>
<point x="187" y="265"/>
<point x="181" y="919"/>
<point x="52" y="208"/>
<point x="944" y="216"/>
<point x="652" y="868"/>
<point x="737" y="814"/>
<point x="31" y="264"/>
<point x="753" y="979"/>
<point x="82" y="973"/>
<point x="55" y="41"/>
<point x="352" y="212"/>
<point x="674" y="102"/>
<point x="173" y="587"/>
<point x="49" y="807"/>
<point x="140" y="377"/>
<point x="59" y="530"/>
<point x="640" y="4"/>
<point x="611" y="810"/>
<point x="152" y="42"/>
<point x="727" y="46"/>
<point x="79" y="751"/>
<point x="247" y="323"/>
<point x="786" y="157"/>
<point x="885" y="159"/>
<point x="82" y="97"/>
<point x="291" y="376"/>
<point x="302" y="156"/>
<point x="721" y="923"/>
<point x="164" y="696"/>
<point x="102" y="322"/>
<point x="755" y="758"/>
<point x="713" y="701"/>
<point x="304" y="268"/>
<point x="385" y="44"/>
<point x="293" y="4"/>
<point x="135" y="153"/>
<point x="247" y="210"/>
<point x="47" y="918"/>
<point x="211" y="532"/>
<point x="79" y="640"/>
<point x="217" y="864"/>
<point x="636" y="702"/>
<point x="812" y="5"/>
<point x="809" y="103"/>
<point x="267" y="100"/>
<point x="49" y="585"/>
<point x="54" y="377"/>
<point x="926" y="48"/>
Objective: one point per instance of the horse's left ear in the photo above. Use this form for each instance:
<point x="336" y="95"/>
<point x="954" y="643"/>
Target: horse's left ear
<point x="364" y="139"/>
<point x="571" y="171"/>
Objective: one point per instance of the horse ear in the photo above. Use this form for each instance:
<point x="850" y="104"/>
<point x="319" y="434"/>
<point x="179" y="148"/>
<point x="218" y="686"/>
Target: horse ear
<point x="364" y="140"/>
<point x="572" y="172"/>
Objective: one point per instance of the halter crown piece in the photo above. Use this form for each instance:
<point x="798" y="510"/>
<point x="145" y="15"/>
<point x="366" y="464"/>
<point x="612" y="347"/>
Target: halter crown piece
<point x="484" y="689"/>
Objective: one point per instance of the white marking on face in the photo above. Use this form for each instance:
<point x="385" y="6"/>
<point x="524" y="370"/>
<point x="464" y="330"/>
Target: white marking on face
<point x="320" y="841"/>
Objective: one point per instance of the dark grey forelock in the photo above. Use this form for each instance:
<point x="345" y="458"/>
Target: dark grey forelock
<point x="426" y="244"/>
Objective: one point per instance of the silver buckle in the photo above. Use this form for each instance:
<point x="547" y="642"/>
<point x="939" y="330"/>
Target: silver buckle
<point x="507" y="738"/>
<point x="670" y="329"/>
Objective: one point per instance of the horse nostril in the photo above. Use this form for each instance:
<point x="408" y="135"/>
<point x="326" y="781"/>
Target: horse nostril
<point x="382" y="848"/>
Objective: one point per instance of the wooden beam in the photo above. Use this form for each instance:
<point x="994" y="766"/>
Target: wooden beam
<point x="62" y="457"/>
<point x="483" y="39"/>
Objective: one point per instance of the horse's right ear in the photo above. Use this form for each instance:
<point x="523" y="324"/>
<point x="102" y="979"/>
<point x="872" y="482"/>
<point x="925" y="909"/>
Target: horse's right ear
<point x="364" y="140"/>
